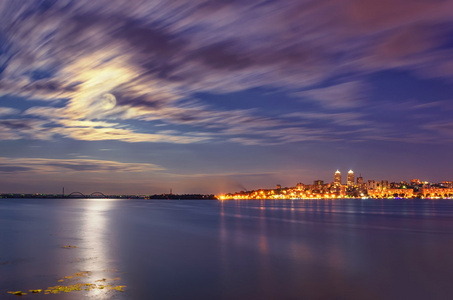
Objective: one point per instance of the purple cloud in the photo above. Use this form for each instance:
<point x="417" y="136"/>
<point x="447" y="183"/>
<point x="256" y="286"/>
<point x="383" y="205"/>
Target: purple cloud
<point x="343" y="95"/>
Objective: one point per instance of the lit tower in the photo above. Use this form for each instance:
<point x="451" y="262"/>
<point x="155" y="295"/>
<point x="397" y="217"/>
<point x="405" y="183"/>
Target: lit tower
<point x="350" y="181"/>
<point x="337" y="178"/>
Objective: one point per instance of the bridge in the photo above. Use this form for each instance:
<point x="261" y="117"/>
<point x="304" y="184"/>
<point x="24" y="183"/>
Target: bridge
<point x="100" y="195"/>
<point x="80" y="195"/>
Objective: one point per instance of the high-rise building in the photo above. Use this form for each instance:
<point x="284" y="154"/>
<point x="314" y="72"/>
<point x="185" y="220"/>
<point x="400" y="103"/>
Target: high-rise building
<point x="360" y="180"/>
<point x="318" y="182"/>
<point x="360" y="184"/>
<point x="350" y="178"/>
<point x="337" y="178"/>
<point x="371" y="185"/>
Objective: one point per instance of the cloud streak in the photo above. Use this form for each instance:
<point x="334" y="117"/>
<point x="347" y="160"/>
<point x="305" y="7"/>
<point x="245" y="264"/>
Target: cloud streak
<point x="4" y="111"/>
<point x="344" y="95"/>
<point x="49" y="166"/>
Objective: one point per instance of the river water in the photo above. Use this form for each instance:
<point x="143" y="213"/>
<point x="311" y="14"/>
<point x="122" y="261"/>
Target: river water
<point x="236" y="249"/>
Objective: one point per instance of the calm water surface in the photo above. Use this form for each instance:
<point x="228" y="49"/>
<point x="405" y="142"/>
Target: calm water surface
<point x="300" y="249"/>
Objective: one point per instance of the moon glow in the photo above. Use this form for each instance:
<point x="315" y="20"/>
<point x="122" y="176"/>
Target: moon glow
<point x="108" y="101"/>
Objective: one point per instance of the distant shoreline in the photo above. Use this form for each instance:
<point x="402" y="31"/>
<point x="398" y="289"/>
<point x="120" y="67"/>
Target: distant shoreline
<point x="77" y="195"/>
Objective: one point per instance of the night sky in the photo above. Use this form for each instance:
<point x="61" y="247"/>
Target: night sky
<point x="222" y="96"/>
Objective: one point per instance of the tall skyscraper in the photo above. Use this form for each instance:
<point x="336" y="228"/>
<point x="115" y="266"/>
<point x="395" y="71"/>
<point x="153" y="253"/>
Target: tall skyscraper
<point x="337" y="178"/>
<point x="360" y="180"/>
<point x="360" y="184"/>
<point x="350" y="179"/>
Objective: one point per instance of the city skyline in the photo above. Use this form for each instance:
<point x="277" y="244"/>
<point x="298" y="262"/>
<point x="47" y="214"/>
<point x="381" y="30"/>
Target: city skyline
<point x="360" y="189"/>
<point x="351" y="180"/>
<point x="210" y="97"/>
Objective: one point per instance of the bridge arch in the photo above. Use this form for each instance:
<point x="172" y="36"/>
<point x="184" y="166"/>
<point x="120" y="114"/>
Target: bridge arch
<point x="97" y="194"/>
<point x="76" y="195"/>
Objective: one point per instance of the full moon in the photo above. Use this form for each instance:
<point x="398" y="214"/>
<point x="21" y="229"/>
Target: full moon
<point x="108" y="101"/>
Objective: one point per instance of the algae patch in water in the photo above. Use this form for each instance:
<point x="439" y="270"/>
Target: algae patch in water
<point x="70" y="286"/>
<point x="18" y="293"/>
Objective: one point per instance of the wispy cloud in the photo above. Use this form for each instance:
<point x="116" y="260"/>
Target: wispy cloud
<point x="339" y="118"/>
<point x="445" y="128"/>
<point x="46" y="166"/>
<point x="344" y="95"/>
<point x="4" y="111"/>
<point x="444" y="104"/>
<point x="14" y="129"/>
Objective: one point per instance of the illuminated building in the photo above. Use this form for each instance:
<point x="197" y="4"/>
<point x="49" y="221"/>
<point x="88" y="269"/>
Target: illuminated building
<point x="318" y="182"/>
<point x="350" y="178"/>
<point x="390" y="193"/>
<point x="337" y="178"/>
<point x="371" y="185"/>
<point x="361" y="186"/>
<point x="300" y="186"/>
<point x="360" y="181"/>
<point x="433" y="192"/>
<point x="447" y="184"/>
<point x="415" y="181"/>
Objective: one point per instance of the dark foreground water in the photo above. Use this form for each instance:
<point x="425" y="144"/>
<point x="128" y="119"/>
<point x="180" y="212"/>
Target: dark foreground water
<point x="301" y="249"/>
